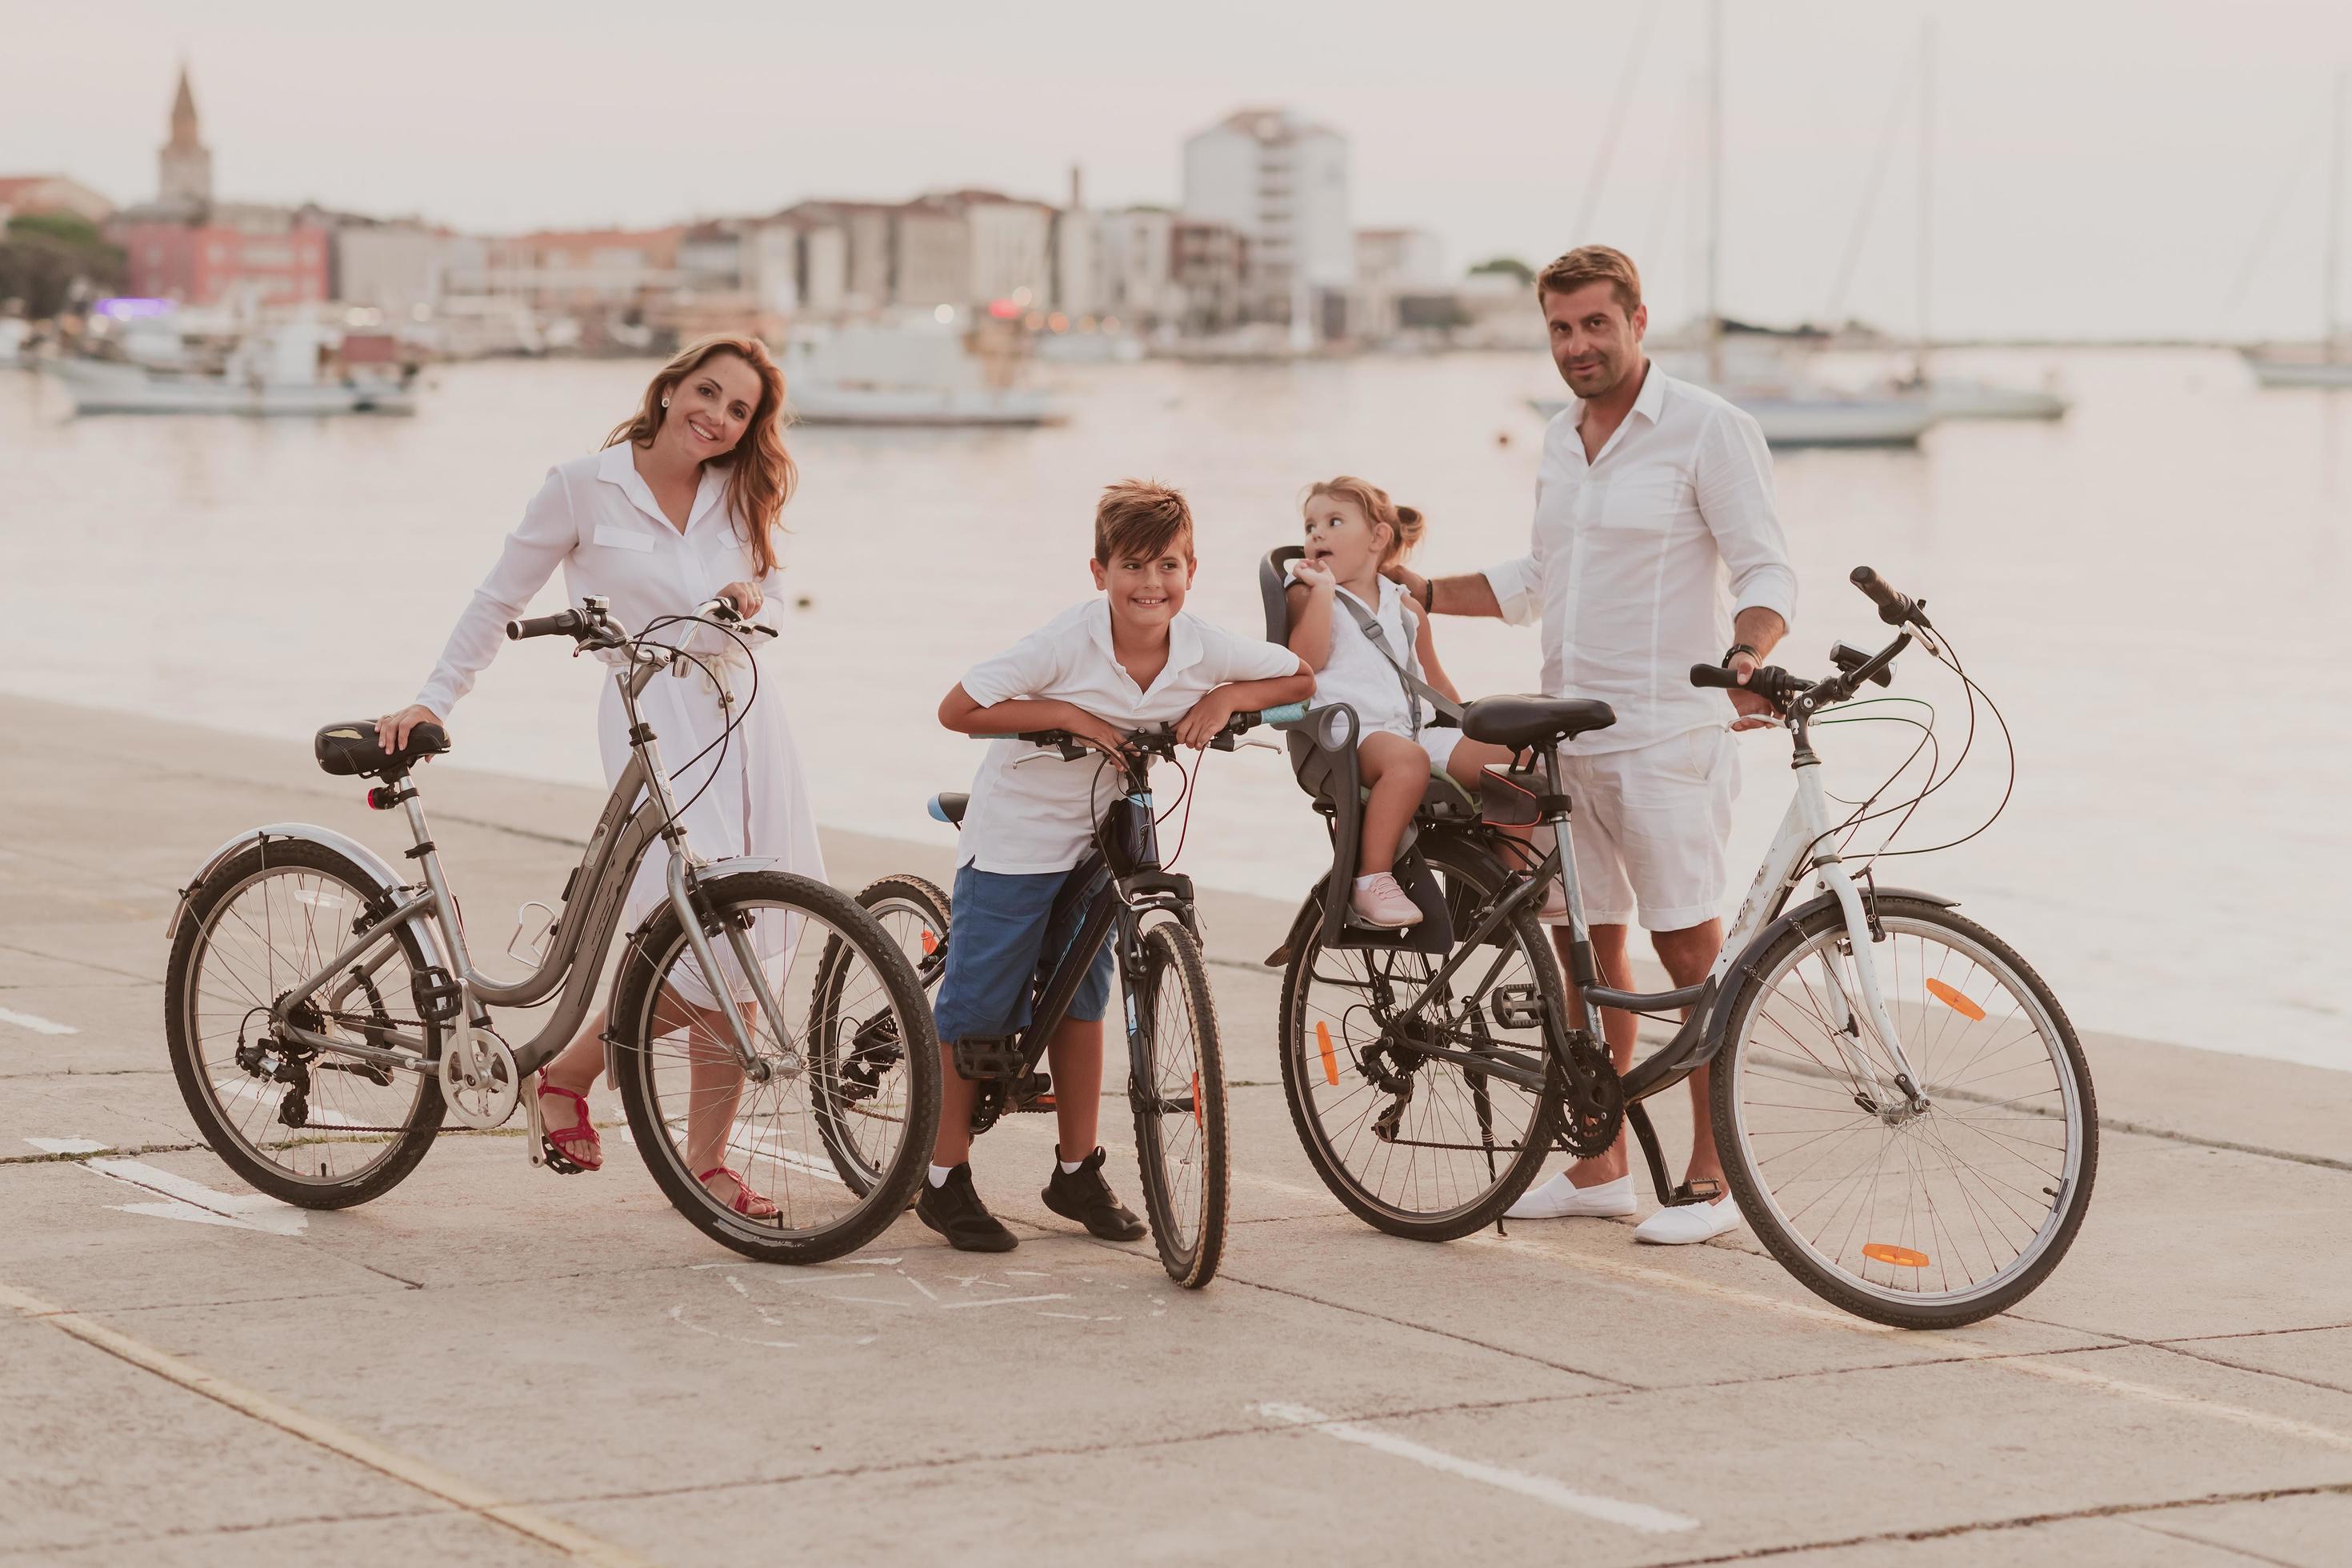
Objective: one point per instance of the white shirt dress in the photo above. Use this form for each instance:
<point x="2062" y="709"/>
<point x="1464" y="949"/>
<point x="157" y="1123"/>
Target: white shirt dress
<point x="597" y="519"/>
<point x="1358" y="675"/>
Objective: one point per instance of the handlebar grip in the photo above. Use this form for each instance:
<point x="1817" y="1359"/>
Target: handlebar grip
<point x="563" y="624"/>
<point x="1286" y="713"/>
<point x="1894" y="608"/>
<point x="1714" y="675"/>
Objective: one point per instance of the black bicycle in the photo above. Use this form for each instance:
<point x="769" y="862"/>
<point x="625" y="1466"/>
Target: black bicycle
<point x="1121" y="894"/>
<point x="1901" y="1105"/>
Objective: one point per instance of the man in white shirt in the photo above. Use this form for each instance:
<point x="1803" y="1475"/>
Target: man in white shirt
<point x="1652" y="493"/>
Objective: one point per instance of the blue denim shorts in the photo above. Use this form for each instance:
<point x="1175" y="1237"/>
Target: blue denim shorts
<point x="998" y="944"/>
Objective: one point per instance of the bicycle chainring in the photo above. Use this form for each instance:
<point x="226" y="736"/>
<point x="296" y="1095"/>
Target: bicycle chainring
<point x="1593" y="1100"/>
<point x="479" y="1081"/>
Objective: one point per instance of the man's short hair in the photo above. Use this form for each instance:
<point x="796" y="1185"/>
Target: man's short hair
<point x="1139" y="520"/>
<point x="1595" y="264"/>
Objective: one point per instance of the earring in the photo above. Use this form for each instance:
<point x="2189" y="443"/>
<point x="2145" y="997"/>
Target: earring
<point x="664" y="402"/>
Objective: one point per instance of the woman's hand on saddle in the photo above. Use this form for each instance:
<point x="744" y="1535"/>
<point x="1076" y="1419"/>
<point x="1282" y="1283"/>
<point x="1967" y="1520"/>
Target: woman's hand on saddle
<point x="392" y="730"/>
<point x="745" y="596"/>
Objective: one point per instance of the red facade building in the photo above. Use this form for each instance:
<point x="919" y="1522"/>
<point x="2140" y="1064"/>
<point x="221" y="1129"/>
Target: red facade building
<point x="210" y="261"/>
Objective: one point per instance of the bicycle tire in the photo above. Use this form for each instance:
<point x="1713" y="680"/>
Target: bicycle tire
<point x="1779" y="1237"/>
<point x="634" y="994"/>
<point x="1172" y="956"/>
<point x="885" y="898"/>
<point x="420" y="1126"/>
<point x="1477" y="876"/>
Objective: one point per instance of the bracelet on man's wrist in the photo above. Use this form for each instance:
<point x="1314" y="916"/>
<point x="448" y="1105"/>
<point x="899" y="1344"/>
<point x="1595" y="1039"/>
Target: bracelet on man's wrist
<point x="1429" y="594"/>
<point x="1736" y="649"/>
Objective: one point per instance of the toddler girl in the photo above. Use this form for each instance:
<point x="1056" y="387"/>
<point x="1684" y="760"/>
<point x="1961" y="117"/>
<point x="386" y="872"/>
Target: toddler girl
<point x="1353" y="531"/>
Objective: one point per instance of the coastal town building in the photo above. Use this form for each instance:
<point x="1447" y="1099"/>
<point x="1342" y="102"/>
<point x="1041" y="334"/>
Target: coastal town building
<point x="186" y="246"/>
<point x="48" y="196"/>
<point x="1281" y="183"/>
<point x="1399" y="276"/>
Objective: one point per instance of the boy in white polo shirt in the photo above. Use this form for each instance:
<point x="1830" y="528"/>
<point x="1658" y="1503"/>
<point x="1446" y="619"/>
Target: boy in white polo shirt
<point x="1126" y="660"/>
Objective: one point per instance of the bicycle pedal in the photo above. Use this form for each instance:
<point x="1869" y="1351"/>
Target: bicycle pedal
<point x="1706" y="1190"/>
<point x="985" y="1056"/>
<point x="1033" y="1093"/>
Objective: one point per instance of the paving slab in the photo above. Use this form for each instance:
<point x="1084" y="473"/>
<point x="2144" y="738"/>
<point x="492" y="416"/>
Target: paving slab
<point x="456" y="1539"/>
<point x="2315" y="1530"/>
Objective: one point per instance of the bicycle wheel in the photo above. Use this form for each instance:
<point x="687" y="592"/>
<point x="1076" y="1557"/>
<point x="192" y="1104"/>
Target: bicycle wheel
<point x="1418" y="1145"/>
<point x="305" y="1125"/>
<point x="856" y="1085"/>
<point x="692" y="1109"/>
<point x="1920" y="1221"/>
<point x="1178" y="1095"/>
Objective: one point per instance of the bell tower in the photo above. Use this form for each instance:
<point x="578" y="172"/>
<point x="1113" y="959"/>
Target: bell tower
<point x="183" y="169"/>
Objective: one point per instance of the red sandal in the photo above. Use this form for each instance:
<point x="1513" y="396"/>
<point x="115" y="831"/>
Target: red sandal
<point x="748" y="1204"/>
<point x="556" y="1144"/>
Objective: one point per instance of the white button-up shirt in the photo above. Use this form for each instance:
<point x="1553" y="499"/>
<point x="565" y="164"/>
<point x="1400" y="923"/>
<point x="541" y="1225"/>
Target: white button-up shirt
<point x="1039" y="815"/>
<point x="597" y="519"/>
<point x="1630" y="553"/>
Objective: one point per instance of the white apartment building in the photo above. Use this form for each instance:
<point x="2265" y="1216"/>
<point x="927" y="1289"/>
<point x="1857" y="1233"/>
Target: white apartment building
<point x="1281" y="182"/>
<point x="1012" y="249"/>
<point x="1137" y="254"/>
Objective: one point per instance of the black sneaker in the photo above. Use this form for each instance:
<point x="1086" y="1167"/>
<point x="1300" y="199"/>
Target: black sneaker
<point x="1083" y="1195"/>
<point x="955" y="1211"/>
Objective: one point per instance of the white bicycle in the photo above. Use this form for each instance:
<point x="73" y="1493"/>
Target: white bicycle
<point x="1903" y="1109"/>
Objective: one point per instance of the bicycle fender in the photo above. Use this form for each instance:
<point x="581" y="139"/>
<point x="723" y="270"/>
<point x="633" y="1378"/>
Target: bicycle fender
<point x="1302" y="925"/>
<point x="1720" y="1016"/>
<point x="386" y="880"/>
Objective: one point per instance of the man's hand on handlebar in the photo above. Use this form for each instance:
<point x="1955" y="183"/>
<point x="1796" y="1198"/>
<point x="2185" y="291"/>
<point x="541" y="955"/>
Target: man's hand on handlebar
<point x="1754" y="713"/>
<point x="392" y="730"/>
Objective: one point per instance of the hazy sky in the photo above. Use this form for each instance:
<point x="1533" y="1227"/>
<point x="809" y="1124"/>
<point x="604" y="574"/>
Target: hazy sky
<point x="2103" y="166"/>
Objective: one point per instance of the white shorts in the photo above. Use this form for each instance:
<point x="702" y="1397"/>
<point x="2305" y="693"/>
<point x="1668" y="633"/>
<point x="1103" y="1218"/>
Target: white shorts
<point x="1650" y="827"/>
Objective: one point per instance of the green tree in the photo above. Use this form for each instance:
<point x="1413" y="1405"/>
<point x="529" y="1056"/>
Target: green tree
<point x="1506" y="264"/>
<point x="48" y="259"/>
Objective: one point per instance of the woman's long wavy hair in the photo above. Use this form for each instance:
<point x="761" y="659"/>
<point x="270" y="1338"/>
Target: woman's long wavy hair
<point x="760" y="473"/>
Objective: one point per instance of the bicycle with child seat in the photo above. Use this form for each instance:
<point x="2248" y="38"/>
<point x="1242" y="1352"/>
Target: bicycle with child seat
<point x="325" y="1014"/>
<point x="1119" y="893"/>
<point x="1904" y="1112"/>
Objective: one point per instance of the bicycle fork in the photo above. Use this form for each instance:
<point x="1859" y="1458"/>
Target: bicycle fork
<point x="1846" y="1027"/>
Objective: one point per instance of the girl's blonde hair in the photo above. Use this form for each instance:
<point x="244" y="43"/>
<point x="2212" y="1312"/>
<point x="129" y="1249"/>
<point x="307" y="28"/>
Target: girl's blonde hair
<point x="1406" y="524"/>
<point x="760" y="472"/>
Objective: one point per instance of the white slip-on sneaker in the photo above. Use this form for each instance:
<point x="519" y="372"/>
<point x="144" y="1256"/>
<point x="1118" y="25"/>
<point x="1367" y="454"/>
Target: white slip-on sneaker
<point x="1561" y="1199"/>
<point x="1687" y="1223"/>
<point x="1380" y="900"/>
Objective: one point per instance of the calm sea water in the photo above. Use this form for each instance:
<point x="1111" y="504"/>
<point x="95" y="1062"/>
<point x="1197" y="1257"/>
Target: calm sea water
<point x="2153" y="590"/>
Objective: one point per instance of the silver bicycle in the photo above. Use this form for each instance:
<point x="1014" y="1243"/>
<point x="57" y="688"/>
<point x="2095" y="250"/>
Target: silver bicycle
<point x="324" y="1013"/>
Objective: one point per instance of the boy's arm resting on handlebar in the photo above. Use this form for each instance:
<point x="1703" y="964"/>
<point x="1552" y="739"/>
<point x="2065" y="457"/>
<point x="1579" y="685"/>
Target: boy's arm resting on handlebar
<point x="961" y="711"/>
<point x="1209" y="714"/>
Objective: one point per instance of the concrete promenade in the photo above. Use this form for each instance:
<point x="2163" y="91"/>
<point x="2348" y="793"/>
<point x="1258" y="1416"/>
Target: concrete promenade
<point x="494" y="1365"/>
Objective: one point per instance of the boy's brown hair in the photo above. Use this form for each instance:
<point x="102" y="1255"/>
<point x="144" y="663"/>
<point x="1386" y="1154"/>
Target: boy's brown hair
<point x="1141" y="519"/>
<point x="1595" y="264"/>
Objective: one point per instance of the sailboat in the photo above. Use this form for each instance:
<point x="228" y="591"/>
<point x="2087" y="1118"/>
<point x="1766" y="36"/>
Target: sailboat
<point x="2327" y="361"/>
<point x="1791" y="414"/>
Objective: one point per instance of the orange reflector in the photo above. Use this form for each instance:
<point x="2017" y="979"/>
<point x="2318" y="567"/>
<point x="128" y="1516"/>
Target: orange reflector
<point x="1953" y="999"/>
<point x="1330" y="1063"/>
<point x="1900" y="1257"/>
<point x="930" y="944"/>
<point x="1196" y="1100"/>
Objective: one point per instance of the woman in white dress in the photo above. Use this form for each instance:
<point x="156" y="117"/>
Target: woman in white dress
<point x="681" y="507"/>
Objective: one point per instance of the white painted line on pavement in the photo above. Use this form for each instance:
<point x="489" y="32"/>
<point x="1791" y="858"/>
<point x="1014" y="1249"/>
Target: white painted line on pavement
<point x="454" y="1490"/>
<point x="194" y="1202"/>
<point x="1958" y="1348"/>
<point x="35" y="1022"/>
<point x="999" y="1300"/>
<point x="69" y="1145"/>
<point x="1543" y="1489"/>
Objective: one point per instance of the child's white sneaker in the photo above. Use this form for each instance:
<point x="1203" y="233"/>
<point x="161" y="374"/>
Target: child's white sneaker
<point x="1379" y="902"/>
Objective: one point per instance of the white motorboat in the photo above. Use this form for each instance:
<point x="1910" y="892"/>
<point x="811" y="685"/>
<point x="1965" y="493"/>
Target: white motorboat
<point x="1962" y="398"/>
<point x="923" y="371"/>
<point x="2298" y="364"/>
<point x="1802" y="418"/>
<point x="291" y="369"/>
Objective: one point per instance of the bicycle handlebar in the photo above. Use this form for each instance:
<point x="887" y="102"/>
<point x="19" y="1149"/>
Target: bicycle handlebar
<point x="1158" y="736"/>
<point x="567" y="623"/>
<point x="1895" y="609"/>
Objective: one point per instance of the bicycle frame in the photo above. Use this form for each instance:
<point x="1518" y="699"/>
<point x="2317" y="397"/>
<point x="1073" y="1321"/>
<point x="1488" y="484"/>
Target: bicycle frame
<point x="1802" y="845"/>
<point x="640" y="809"/>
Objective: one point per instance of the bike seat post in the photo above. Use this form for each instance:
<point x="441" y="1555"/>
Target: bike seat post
<point x="428" y="855"/>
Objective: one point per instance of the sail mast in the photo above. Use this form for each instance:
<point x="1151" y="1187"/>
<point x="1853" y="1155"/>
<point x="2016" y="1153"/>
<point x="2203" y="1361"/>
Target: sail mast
<point x="2329" y="326"/>
<point x="1927" y="184"/>
<point x="1714" y="190"/>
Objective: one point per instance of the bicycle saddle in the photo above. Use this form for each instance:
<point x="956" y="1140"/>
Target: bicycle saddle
<point x="351" y="748"/>
<point x="1519" y="722"/>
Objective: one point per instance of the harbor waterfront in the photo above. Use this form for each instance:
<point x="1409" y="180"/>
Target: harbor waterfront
<point x="198" y="1375"/>
<point x="2149" y="589"/>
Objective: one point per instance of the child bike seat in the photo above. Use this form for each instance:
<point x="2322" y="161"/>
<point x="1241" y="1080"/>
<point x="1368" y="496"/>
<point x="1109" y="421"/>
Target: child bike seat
<point x="344" y="750"/>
